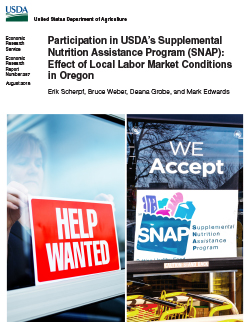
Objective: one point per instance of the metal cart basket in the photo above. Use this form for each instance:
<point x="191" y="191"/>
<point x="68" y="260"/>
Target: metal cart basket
<point x="169" y="308"/>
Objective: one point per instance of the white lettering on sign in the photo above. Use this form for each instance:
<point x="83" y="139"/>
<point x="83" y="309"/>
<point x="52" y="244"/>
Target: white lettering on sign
<point x="179" y="145"/>
<point x="69" y="225"/>
<point x="92" y="220"/>
<point x="62" y="222"/>
<point x="163" y="236"/>
<point x="185" y="167"/>
<point x="194" y="148"/>
<point x="73" y="255"/>
<point x="67" y="257"/>
<point x="73" y="222"/>
<point x="157" y="165"/>
<point x="186" y="264"/>
<point x="186" y="151"/>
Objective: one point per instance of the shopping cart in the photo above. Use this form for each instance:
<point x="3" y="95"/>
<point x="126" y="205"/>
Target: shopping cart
<point x="221" y="305"/>
<point x="155" y="309"/>
<point x="169" y="308"/>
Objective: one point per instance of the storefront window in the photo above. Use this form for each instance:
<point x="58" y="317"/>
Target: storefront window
<point x="60" y="156"/>
<point x="162" y="156"/>
<point x="184" y="193"/>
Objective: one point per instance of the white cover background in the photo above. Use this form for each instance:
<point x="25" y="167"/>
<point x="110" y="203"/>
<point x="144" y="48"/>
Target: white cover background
<point x="163" y="18"/>
<point x="170" y="18"/>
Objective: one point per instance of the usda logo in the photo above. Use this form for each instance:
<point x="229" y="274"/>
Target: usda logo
<point x="16" y="13"/>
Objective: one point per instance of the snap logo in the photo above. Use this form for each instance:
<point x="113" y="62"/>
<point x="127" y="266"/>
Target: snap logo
<point x="165" y="224"/>
<point x="16" y="13"/>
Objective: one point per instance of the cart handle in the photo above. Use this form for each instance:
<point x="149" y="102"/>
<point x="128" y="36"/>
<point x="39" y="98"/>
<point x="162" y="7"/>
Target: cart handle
<point x="136" y="282"/>
<point x="134" y="297"/>
<point x="160" y="301"/>
<point x="220" y="308"/>
<point x="205" y="298"/>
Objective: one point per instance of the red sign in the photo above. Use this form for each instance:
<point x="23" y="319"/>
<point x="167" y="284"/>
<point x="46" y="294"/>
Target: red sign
<point x="72" y="238"/>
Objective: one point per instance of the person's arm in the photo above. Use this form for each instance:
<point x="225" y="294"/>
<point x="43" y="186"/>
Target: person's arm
<point x="17" y="198"/>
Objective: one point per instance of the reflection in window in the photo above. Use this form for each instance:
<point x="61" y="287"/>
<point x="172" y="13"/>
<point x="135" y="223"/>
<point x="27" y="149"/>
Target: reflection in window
<point x="200" y="154"/>
<point x="60" y="156"/>
<point x="182" y="156"/>
<point x="218" y="285"/>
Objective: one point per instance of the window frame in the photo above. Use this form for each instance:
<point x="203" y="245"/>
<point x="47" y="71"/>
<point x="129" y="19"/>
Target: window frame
<point x="38" y="301"/>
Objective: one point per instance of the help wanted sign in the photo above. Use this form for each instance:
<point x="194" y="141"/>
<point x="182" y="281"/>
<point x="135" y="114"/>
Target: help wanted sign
<point x="72" y="238"/>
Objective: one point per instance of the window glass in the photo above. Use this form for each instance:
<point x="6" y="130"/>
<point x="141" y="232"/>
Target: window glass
<point x="220" y="285"/>
<point x="61" y="156"/>
<point x="112" y="310"/>
<point x="188" y="144"/>
<point x="163" y="155"/>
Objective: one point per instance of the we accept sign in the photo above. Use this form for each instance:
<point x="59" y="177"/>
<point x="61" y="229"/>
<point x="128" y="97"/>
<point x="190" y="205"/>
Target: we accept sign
<point x="178" y="224"/>
<point x="72" y="238"/>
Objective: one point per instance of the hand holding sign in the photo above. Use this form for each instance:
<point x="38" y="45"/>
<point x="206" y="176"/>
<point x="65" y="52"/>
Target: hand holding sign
<point x="17" y="198"/>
